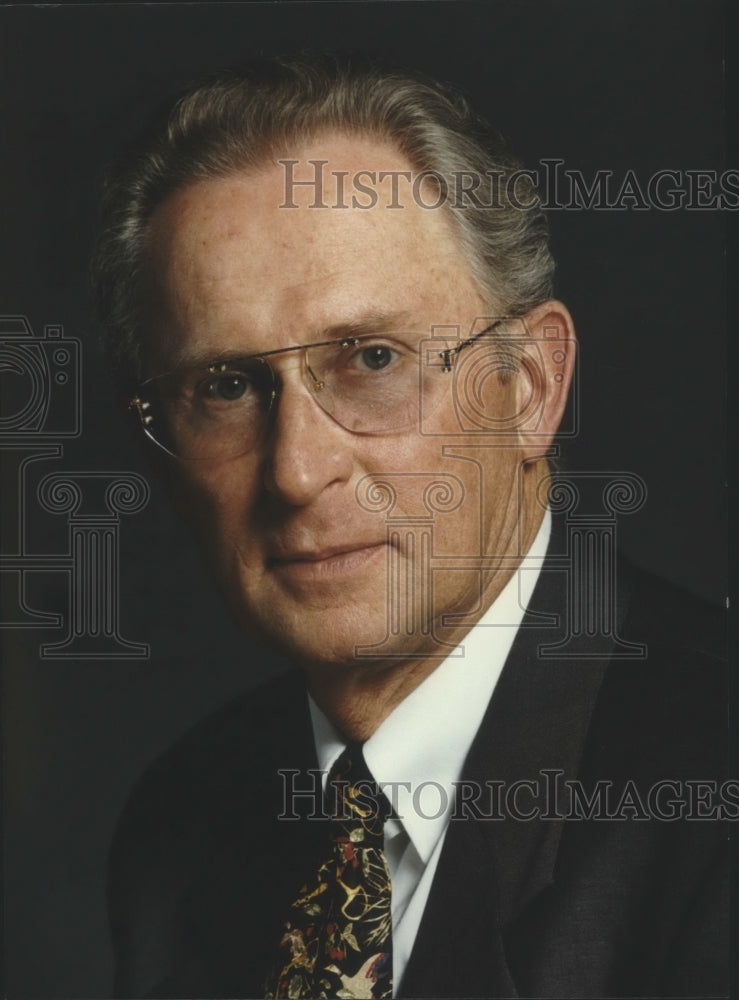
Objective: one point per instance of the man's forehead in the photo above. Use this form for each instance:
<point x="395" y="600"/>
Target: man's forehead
<point x="252" y="253"/>
<point x="312" y="181"/>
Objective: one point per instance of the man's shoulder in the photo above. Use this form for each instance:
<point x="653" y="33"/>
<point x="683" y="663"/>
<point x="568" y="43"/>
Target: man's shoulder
<point x="673" y="620"/>
<point x="227" y="760"/>
<point x="196" y="835"/>
<point x="665" y="707"/>
<point x="684" y="670"/>
<point x="269" y="715"/>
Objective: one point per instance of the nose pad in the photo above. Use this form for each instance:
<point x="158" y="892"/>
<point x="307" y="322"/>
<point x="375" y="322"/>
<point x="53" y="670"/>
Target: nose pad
<point x="270" y="393"/>
<point x="318" y="384"/>
<point x="313" y="380"/>
<point x="277" y="380"/>
<point x="321" y="368"/>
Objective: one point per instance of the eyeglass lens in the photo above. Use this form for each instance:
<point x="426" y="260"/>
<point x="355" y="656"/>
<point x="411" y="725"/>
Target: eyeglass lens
<point x="368" y="385"/>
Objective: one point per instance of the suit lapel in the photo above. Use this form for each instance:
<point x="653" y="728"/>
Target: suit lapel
<point x="491" y="868"/>
<point x="455" y="957"/>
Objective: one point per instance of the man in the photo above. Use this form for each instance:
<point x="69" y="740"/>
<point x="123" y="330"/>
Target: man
<point x="329" y="291"/>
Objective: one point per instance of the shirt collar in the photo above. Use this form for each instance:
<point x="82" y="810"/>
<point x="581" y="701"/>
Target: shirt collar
<point x="417" y="753"/>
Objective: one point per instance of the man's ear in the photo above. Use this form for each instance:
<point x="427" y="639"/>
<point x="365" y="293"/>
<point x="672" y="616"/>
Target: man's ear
<point x="544" y="387"/>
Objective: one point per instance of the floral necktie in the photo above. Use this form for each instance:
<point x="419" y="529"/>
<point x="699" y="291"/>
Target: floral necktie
<point x="337" y="940"/>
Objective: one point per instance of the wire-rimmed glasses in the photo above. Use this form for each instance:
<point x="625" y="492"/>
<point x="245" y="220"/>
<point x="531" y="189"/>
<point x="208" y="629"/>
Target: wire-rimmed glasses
<point x="368" y="384"/>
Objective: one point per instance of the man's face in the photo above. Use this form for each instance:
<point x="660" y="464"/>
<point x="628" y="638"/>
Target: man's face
<point x="299" y="558"/>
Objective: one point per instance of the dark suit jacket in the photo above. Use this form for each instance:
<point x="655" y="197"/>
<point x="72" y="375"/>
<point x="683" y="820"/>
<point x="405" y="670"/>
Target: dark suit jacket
<point x="202" y="871"/>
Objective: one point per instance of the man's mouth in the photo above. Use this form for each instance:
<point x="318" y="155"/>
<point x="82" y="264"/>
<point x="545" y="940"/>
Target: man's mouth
<point x="335" y="560"/>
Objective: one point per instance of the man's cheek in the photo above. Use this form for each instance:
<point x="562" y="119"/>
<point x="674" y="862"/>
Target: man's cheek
<point x="213" y="490"/>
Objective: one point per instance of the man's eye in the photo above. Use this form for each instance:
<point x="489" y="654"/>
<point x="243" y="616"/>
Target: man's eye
<point x="228" y="387"/>
<point x="376" y="357"/>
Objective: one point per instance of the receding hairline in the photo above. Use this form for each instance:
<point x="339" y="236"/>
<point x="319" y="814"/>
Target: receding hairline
<point x="273" y="157"/>
<point x="232" y="123"/>
<point x="440" y="234"/>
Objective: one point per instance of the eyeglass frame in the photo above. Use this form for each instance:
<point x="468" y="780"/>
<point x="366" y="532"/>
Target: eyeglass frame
<point x="141" y="405"/>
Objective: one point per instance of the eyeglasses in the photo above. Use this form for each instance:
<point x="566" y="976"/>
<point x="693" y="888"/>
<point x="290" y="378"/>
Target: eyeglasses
<point x="368" y="384"/>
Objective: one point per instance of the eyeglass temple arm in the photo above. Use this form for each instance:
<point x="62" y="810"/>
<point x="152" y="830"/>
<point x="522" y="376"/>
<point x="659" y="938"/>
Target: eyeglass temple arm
<point x="446" y="355"/>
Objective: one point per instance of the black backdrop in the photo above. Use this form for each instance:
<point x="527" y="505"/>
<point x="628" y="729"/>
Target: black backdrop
<point x="614" y="85"/>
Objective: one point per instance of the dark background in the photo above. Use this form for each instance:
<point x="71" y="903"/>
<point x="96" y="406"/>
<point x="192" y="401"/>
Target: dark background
<point x="616" y="85"/>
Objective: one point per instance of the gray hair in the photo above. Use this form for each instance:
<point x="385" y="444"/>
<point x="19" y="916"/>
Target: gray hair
<point x="236" y="122"/>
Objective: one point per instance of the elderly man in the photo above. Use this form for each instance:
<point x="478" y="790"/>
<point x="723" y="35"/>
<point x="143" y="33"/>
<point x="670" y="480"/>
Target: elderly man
<point x="328" y="291"/>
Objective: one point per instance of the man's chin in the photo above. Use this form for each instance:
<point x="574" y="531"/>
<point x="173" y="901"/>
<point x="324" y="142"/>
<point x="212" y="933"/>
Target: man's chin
<point x="327" y="647"/>
<point x="328" y="640"/>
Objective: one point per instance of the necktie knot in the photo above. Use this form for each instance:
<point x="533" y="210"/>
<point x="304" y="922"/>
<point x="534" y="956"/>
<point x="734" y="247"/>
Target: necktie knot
<point x="353" y="798"/>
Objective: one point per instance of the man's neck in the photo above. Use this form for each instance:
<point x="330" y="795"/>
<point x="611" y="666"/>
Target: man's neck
<point x="357" y="697"/>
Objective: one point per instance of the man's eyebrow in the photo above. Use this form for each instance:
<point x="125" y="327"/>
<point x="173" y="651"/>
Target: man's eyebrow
<point x="375" y="322"/>
<point x="380" y="322"/>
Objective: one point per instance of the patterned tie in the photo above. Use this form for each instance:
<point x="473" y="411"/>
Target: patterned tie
<point x="337" y="940"/>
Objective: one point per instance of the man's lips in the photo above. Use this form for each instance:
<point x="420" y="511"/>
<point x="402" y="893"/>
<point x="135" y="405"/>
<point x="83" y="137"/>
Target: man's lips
<point x="326" y="561"/>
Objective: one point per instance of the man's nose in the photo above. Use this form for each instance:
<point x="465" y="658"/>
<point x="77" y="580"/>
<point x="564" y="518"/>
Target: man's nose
<point x="307" y="451"/>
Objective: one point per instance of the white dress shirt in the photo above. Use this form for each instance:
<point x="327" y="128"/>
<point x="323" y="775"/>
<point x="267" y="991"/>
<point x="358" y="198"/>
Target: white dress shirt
<point x="422" y="745"/>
